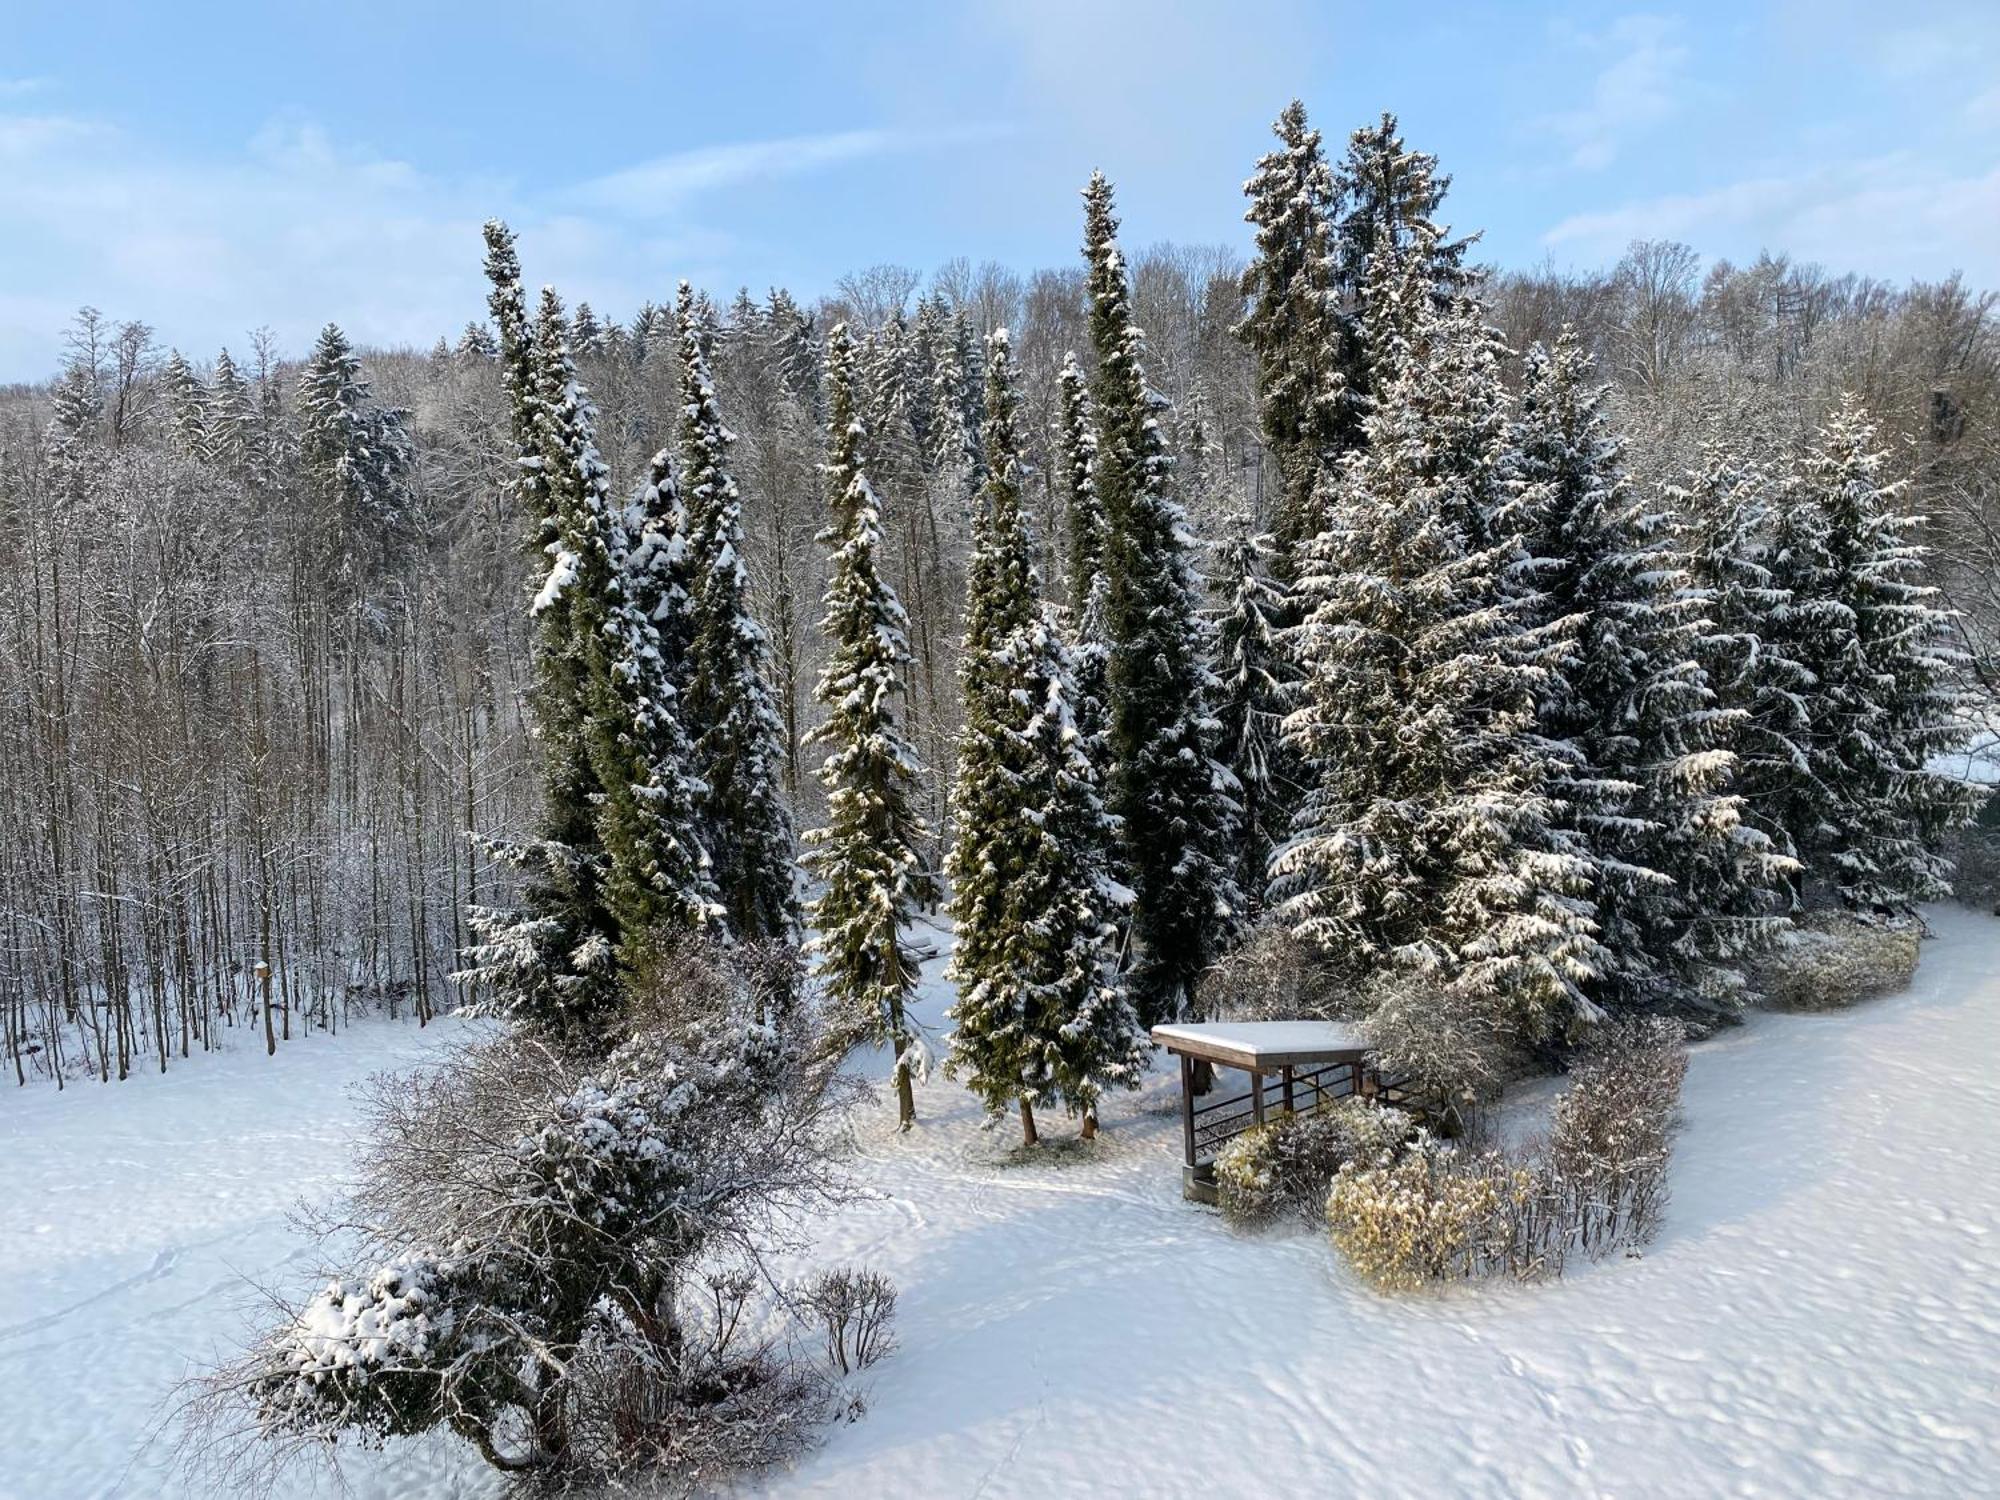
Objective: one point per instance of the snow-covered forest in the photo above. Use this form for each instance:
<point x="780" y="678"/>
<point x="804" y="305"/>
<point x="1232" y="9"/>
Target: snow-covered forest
<point x="970" y="670"/>
<point x="268" y="656"/>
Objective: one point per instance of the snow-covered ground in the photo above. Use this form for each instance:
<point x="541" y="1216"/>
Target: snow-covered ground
<point x="1819" y="1318"/>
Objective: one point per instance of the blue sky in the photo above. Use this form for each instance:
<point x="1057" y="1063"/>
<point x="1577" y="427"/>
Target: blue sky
<point x="211" y="168"/>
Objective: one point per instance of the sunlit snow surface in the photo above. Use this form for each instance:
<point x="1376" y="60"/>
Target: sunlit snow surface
<point x="1821" y="1316"/>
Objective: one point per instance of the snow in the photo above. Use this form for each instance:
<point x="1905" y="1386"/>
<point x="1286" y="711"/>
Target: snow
<point x="1817" y="1318"/>
<point x="1262" y="1043"/>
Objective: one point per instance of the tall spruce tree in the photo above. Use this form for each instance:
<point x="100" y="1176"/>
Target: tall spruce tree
<point x="1297" y="328"/>
<point x="1685" y="888"/>
<point x="359" y="453"/>
<point x="739" y="740"/>
<point x="866" y="856"/>
<point x="1866" y="812"/>
<point x="547" y="961"/>
<point x="187" y="406"/>
<point x="1258" y="682"/>
<point x="1041" y="1014"/>
<point x="1724" y="507"/>
<point x="1089" y="582"/>
<point x="232" y="417"/>
<point x="617" y="865"/>
<point x="656" y="883"/>
<point x="1176" y="803"/>
<point x="1432" y="839"/>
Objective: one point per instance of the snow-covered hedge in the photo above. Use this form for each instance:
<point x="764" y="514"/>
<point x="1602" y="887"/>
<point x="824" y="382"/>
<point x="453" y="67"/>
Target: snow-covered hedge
<point x="1835" y="959"/>
<point x="1284" y="1167"/>
<point x="1596" y="1184"/>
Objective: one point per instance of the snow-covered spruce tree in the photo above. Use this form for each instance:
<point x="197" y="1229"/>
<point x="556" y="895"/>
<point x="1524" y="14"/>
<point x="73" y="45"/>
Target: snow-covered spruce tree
<point x="1089" y="583"/>
<point x="547" y="960"/>
<point x="1040" y="1013"/>
<point x="187" y="406"/>
<point x="731" y="717"/>
<point x="1297" y="328"/>
<point x="1176" y="804"/>
<point x="1685" y="888"/>
<point x="615" y="866"/>
<point x="866" y="856"/>
<point x="1258" y="679"/>
<point x="1432" y="838"/>
<point x="1723" y="505"/>
<point x="656" y="870"/>
<point x="1866" y="814"/>
<point x="231" y="418"/>
<point x="358" y="456"/>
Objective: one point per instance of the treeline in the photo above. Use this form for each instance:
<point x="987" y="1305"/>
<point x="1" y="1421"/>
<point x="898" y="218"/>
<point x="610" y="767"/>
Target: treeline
<point x="266" y="643"/>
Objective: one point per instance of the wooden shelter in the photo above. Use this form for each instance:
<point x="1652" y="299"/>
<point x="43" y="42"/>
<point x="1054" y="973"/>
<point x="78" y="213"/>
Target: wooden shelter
<point x="1312" y="1063"/>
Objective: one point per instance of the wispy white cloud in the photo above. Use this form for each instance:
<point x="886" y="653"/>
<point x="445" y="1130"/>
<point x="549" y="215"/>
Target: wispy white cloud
<point x="296" y="228"/>
<point x="1888" y="216"/>
<point x="666" y="182"/>
<point x="1639" y="85"/>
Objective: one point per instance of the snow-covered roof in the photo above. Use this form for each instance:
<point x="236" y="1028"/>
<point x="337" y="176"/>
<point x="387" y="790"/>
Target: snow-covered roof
<point x="1263" y="1045"/>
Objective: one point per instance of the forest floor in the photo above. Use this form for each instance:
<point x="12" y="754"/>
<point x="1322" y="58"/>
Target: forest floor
<point x="1818" y="1317"/>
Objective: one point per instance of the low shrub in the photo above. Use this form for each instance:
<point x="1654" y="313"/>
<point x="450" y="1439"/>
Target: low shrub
<point x="1835" y="959"/>
<point x="1284" y="1167"/>
<point x="1453" y="1056"/>
<point x="1595" y="1185"/>
<point x="1432" y="1214"/>
<point x="856" y="1309"/>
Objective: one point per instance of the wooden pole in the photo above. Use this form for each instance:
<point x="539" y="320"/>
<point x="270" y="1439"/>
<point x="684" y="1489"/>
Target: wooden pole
<point x="1256" y="1096"/>
<point x="1187" y="1111"/>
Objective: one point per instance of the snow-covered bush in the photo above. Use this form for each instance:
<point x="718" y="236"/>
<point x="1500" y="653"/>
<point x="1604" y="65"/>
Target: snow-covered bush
<point x="1284" y="1167"/>
<point x="1274" y="975"/>
<point x="1453" y="1056"/>
<point x="1606" y="1156"/>
<point x="1836" y="959"/>
<point x="857" y="1310"/>
<point x="565" y="1247"/>
<point x="1595" y="1185"/>
<point x="1432" y="1214"/>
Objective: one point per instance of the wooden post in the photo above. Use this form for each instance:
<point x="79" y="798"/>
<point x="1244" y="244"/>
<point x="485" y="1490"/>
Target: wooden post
<point x="1288" y="1091"/>
<point x="1187" y="1111"/>
<point x="1256" y="1096"/>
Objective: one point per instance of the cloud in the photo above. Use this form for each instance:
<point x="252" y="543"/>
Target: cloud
<point x="297" y="227"/>
<point x="666" y="182"/>
<point x="1890" y="216"/>
<point x="1638" y="87"/>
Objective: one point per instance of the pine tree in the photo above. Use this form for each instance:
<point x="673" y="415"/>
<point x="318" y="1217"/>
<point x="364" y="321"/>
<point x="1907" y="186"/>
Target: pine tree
<point x="1175" y="803"/>
<point x="1684" y="887"/>
<point x="1431" y="839"/>
<point x="738" y="737"/>
<point x="1297" y="328"/>
<point x="1040" y="1013"/>
<point x="1258" y="681"/>
<point x="866" y="856"/>
<point x="1867" y="813"/>
<point x="187" y="406"/>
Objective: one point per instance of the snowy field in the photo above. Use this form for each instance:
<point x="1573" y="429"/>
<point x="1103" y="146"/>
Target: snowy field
<point x="1820" y="1317"/>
